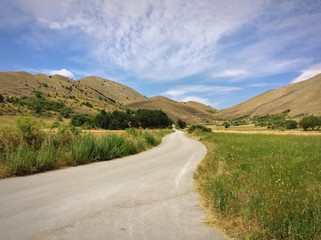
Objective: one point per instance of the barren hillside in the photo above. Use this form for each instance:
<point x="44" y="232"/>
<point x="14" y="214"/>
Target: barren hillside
<point x="189" y="112"/>
<point x="301" y="98"/>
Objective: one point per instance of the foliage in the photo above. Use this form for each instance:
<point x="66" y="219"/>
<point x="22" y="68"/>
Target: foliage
<point x="266" y="185"/>
<point x="30" y="129"/>
<point x="310" y="122"/>
<point x="226" y="124"/>
<point x="78" y="120"/>
<point x="198" y="129"/>
<point x="1" y="98"/>
<point x="181" y="124"/>
<point x="290" y="124"/>
<point x="64" y="147"/>
<point x="142" y="118"/>
<point x="40" y="105"/>
<point x="153" y="119"/>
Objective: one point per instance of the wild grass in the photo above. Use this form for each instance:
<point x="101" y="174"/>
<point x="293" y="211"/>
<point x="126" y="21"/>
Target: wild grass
<point x="26" y="149"/>
<point x="263" y="186"/>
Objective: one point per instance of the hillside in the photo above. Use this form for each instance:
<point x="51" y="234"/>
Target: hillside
<point x="87" y="95"/>
<point x="301" y="98"/>
<point x="190" y="112"/>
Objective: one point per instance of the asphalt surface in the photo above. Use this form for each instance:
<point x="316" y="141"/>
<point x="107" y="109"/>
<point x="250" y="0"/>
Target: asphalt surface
<point x="145" y="196"/>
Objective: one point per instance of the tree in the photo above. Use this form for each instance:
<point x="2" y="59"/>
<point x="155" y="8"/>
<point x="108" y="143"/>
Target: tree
<point x="290" y="124"/>
<point x="181" y="124"/>
<point x="310" y="122"/>
<point x="226" y="124"/>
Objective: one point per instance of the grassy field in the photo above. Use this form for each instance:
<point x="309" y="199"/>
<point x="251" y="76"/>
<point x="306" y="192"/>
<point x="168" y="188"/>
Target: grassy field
<point x="26" y="148"/>
<point x="259" y="186"/>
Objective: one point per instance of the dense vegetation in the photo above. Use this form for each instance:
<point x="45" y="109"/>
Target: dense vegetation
<point x="279" y="121"/>
<point x="117" y="120"/>
<point x="27" y="149"/>
<point x="263" y="186"/>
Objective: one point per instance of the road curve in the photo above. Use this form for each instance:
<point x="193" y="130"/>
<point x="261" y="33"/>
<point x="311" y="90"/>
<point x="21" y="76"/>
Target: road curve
<point x="145" y="196"/>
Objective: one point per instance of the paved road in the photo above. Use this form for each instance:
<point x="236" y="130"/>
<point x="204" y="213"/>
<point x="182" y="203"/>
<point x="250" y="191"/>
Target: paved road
<point x="145" y="196"/>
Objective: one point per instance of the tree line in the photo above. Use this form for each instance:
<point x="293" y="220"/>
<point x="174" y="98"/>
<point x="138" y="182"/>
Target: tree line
<point x="118" y="120"/>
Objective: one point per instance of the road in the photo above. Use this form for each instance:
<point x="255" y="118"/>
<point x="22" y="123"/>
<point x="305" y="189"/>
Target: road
<point x="145" y="196"/>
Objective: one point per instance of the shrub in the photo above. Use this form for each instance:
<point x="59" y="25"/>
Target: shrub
<point x="30" y="131"/>
<point x="290" y="124"/>
<point x="1" y="98"/>
<point x="198" y="128"/>
<point x="181" y="124"/>
<point x="310" y="122"/>
<point x="10" y="139"/>
<point x="226" y="124"/>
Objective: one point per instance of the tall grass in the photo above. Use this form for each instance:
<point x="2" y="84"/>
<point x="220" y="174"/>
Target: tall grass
<point x="33" y="151"/>
<point x="263" y="186"/>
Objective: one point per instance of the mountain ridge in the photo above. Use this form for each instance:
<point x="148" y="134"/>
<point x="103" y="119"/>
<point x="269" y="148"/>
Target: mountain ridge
<point x="302" y="98"/>
<point x="91" y="94"/>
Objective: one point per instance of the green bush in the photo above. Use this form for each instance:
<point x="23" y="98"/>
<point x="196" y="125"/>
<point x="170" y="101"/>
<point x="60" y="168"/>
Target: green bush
<point x="290" y="124"/>
<point x="310" y="122"/>
<point x="198" y="128"/>
<point x="30" y="129"/>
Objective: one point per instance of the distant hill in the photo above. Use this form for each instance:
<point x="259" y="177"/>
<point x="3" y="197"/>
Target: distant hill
<point x="191" y="112"/>
<point x="98" y="92"/>
<point x="91" y="94"/>
<point x="300" y="98"/>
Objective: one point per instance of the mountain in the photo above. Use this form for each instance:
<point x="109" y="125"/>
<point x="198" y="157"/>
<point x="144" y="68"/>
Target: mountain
<point x="91" y="94"/>
<point x="190" y="112"/>
<point x="87" y="95"/>
<point x="300" y="98"/>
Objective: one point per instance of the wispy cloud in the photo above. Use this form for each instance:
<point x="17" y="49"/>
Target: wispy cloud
<point x="185" y="93"/>
<point x="308" y="73"/>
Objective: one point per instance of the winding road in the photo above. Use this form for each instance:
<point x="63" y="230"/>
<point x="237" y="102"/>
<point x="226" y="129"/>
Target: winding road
<point x="144" y="196"/>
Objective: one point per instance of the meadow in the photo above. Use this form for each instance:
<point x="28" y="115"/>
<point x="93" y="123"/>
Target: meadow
<point x="259" y="186"/>
<point x="27" y="148"/>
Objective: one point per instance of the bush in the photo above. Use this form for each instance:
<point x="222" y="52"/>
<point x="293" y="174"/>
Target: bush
<point x="79" y="120"/>
<point x="1" y="98"/>
<point x="290" y="124"/>
<point x="226" y="124"/>
<point x="10" y="138"/>
<point x="30" y="131"/>
<point x="310" y="122"/>
<point x="181" y="124"/>
<point x="198" y="128"/>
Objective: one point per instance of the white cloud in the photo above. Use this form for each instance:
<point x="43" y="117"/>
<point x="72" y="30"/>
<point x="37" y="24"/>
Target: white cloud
<point x="235" y="73"/>
<point x="180" y="91"/>
<point x="158" y="40"/>
<point x="308" y="73"/>
<point x="197" y="99"/>
<point x="199" y="93"/>
<point x="173" y="39"/>
<point x="62" y="72"/>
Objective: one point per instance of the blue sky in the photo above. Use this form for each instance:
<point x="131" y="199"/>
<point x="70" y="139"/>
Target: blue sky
<point x="219" y="52"/>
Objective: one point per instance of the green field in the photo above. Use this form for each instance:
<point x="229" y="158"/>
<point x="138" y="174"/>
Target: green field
<point x="262" y="186"/>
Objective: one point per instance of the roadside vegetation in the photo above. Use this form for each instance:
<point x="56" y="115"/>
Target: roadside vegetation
<point x="26" y="148"/>
<point x="280" y="121"/>
<point x="262" y="186"/>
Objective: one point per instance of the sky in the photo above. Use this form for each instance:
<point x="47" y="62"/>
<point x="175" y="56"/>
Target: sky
<point x="218" y="52"/>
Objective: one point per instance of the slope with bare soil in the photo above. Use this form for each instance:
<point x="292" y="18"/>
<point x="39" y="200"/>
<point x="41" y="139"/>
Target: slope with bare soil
<point x="189" y="112"/>
<point x="301" y="98"/>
